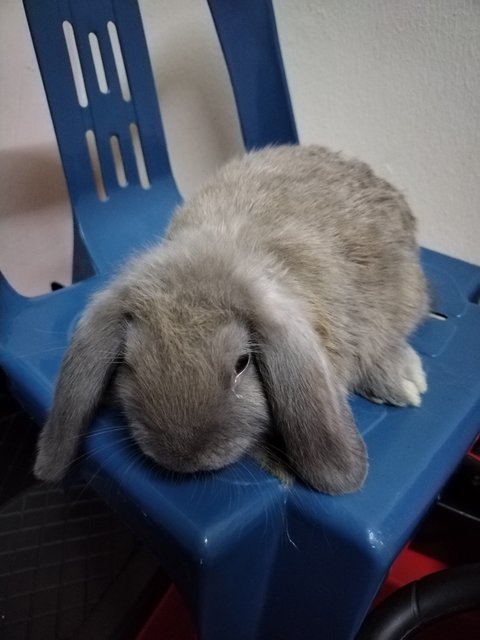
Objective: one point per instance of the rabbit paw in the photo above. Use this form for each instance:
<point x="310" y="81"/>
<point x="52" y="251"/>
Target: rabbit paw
<point x="399" y="379"/>
<point x="415" y="381"/>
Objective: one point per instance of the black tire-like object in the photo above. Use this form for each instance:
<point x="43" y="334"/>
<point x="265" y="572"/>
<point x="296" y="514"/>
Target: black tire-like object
<point x="422" y="602"/>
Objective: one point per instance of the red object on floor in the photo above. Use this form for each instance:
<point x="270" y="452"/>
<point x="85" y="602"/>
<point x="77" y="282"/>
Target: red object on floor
<point x="170" y="620"/>
<point x="410" y="565"/>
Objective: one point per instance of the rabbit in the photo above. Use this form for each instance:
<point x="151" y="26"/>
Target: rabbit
<point x="289" y="281"/>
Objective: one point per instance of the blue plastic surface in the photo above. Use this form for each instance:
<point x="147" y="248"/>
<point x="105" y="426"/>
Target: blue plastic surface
<point x="255" y="559"/>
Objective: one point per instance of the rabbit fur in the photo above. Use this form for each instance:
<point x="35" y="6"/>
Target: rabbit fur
<point x="289" y="280"/>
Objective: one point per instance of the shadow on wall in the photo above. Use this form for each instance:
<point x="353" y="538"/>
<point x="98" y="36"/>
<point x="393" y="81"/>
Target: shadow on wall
<point x="36" y="232"/>
<point x="34" y="177"/>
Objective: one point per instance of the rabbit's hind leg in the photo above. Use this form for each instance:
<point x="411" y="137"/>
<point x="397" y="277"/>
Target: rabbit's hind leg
<point x="397" y="378"/>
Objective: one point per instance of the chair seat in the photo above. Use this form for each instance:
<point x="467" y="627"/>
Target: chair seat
<point x="239" y="531"/>
<point x="254" y="558"/>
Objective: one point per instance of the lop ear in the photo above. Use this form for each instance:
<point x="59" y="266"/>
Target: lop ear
<point x="83" y="376"/>
<point x="309" y="407"/>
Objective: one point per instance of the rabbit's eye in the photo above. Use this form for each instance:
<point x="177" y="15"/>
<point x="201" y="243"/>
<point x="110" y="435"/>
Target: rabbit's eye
<point x="242" y="363"/>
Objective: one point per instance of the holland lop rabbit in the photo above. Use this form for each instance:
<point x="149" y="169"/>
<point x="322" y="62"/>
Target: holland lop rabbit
<point x="289" y="280"/>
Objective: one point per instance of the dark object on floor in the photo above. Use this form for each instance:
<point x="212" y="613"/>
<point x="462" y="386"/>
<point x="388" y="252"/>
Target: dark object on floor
<point x="68" y="567"/>
<point x="18" y="436"/>
<point x="415" y="606"/>
<point x="462" y="494"/>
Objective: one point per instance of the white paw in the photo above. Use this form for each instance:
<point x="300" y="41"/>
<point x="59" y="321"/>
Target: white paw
<point x="416" y="374"/>
<point x="412" y="393"/>
<point x="404" y="386"/>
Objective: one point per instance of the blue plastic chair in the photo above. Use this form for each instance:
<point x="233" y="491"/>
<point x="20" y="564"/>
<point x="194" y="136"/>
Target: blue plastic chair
<point x="253" y="558"/>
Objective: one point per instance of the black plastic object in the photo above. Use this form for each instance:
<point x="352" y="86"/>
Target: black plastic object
<point x="420" y="603"/>
<point x="68" y="567"/>
<point x="462" y="494"/>
<point x="18" y="436"/>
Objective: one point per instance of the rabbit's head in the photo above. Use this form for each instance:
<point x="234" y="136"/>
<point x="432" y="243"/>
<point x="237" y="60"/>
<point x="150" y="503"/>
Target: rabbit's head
<point x="189" y="387"/>
<point x="204" y="359"/>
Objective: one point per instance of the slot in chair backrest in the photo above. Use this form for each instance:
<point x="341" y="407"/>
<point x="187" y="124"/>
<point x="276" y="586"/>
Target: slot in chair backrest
<point x="101" y="95"/>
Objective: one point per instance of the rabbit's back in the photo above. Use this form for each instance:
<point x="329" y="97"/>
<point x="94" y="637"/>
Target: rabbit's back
<point x="293" y="190"/>
<point x="343" y="238"/>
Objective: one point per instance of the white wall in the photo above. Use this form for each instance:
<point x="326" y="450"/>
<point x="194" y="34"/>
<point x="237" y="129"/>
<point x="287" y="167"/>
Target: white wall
<point x="396" y="83"/>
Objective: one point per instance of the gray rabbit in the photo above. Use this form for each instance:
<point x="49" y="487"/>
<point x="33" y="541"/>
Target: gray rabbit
<point x="289" y="280"/>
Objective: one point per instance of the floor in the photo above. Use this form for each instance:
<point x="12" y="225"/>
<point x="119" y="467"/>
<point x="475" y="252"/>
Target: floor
<point x="67" y="564"/>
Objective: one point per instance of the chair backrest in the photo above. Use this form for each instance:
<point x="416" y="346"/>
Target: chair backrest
<point x="101" y="95"/>
<point x="249" y="41"/>
<point x="98" y="79"/>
